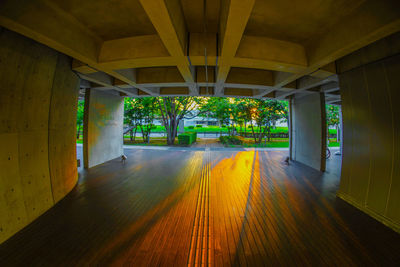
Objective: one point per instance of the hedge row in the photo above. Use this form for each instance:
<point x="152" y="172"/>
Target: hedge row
<point x="187" y="138"/>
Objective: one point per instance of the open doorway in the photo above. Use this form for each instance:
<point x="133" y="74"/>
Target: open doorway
<point x="79" y="129"/>
<point x="334" y="138"/>
<point x="215" y="121"/>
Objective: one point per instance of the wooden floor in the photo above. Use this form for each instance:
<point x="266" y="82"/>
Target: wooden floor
<point x="203" y="207"/>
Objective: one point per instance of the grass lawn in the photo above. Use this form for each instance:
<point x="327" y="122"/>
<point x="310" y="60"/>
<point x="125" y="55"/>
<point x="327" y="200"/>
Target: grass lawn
<point x="276" y="142"/>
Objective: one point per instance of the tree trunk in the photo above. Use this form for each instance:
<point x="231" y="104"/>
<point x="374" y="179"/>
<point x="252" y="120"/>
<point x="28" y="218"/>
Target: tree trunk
<point x="337" y="133"/>
<point x="134" y="136"/>
<point x="143" y="135"/>
<point x="171" y="131"/>
<point x="260" y="134"/>
<point x="79" y="132"/>
<point x="269" y="132"/>
<point x="131" y="134"/>
<point x="254" y="134"/>
<point x="170" y="136"/>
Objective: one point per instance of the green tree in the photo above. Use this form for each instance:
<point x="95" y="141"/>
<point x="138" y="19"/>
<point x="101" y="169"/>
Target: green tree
<point x="242" y="112"/>
<point x="172" y="109"/>
<point x="265" y="113"/>
<point x="79" y="117"/>
<point x="131" y="117"/>
<point x="218" y="108"/>
<point x="332" y="117"/>
<point x="140" y="114"/>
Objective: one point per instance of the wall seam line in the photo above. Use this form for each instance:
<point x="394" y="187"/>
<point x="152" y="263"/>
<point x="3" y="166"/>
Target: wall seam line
<point x="393" y="137"/>
<point x="369" y="138"/>
<point x="48" y="129"/>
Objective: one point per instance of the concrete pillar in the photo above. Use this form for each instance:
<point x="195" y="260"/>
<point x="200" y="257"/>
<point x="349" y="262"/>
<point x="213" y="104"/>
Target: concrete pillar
<point x="38" y="103"/>
<point x="370" y="89"/>
<point x="308" y="130"/>
<point x="181" y="126"/>
<point x="103" y="127"/>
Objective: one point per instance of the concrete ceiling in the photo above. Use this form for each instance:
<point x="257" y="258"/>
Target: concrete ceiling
<point x="109" y="19"/>
<point x="255" y="48"/>
<point x="193" y="11"/>
<point x="297" y="20"/>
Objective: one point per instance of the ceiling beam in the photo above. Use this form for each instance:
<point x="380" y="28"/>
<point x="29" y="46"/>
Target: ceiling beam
<point x="134" y="52"/>
<point x="270" y="54"/>
<point x="234" y="17"/>
<point x="305" y="83"/>
<point x="168" y="20"/>
<point x="106" y="81"/>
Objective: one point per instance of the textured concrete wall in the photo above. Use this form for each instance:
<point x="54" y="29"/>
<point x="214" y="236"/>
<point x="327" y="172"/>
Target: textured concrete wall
<point x="38" y="95"/>
<point x="371" y="130"/>
<point x="103" y="127"/>
<point x="62" y="129"/>
<point x="307" y="130"/>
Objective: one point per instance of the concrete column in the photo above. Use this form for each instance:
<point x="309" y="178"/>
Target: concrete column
<point x="181" y="126"/>
<point x="103" y="127"/>
<point x="308" y="130"/>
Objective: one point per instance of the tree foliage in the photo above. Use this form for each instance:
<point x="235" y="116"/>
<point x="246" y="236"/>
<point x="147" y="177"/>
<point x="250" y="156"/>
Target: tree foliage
<point x="265" y="113"/>
<point x="140" y="114"/>
<point x="233" y="112"/>
<point x="174" y="108"/>
<point x="239" y="112"/>
<point x="332" y="115"/>
<point x="79" y="117"/>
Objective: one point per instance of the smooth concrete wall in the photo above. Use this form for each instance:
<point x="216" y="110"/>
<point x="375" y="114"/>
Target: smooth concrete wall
<point x="370" y="177"/>
<point x="103" y="127"/>
<point x="307" y="127"/>
<point x="38" y="98"/>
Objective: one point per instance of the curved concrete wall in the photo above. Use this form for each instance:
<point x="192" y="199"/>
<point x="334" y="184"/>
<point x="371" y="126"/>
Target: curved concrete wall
<point x="370" y="89"/>
<point x="38" y="98"/>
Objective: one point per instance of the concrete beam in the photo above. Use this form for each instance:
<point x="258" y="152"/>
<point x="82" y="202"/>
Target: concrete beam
<point x="330" y="87"/>
<point x="134" y="52"/>
<point x="234" y="17"/>
<point x="167" y="18"/>
<point x="308" y="82"/>
<point x="270" y="54"/>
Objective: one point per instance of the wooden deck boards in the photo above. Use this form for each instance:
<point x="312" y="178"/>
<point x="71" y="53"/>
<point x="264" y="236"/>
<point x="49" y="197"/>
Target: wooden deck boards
<point x="203" y="208"/>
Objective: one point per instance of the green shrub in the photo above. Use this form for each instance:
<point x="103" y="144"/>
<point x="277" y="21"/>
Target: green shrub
<point x="184" y="139"/>
<point x="199" y="126"/>
<point x="223" y="126"/>
<point x="191" y="127"/>
<point x="187" y="138"/>
<point x="193" y="134"/>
